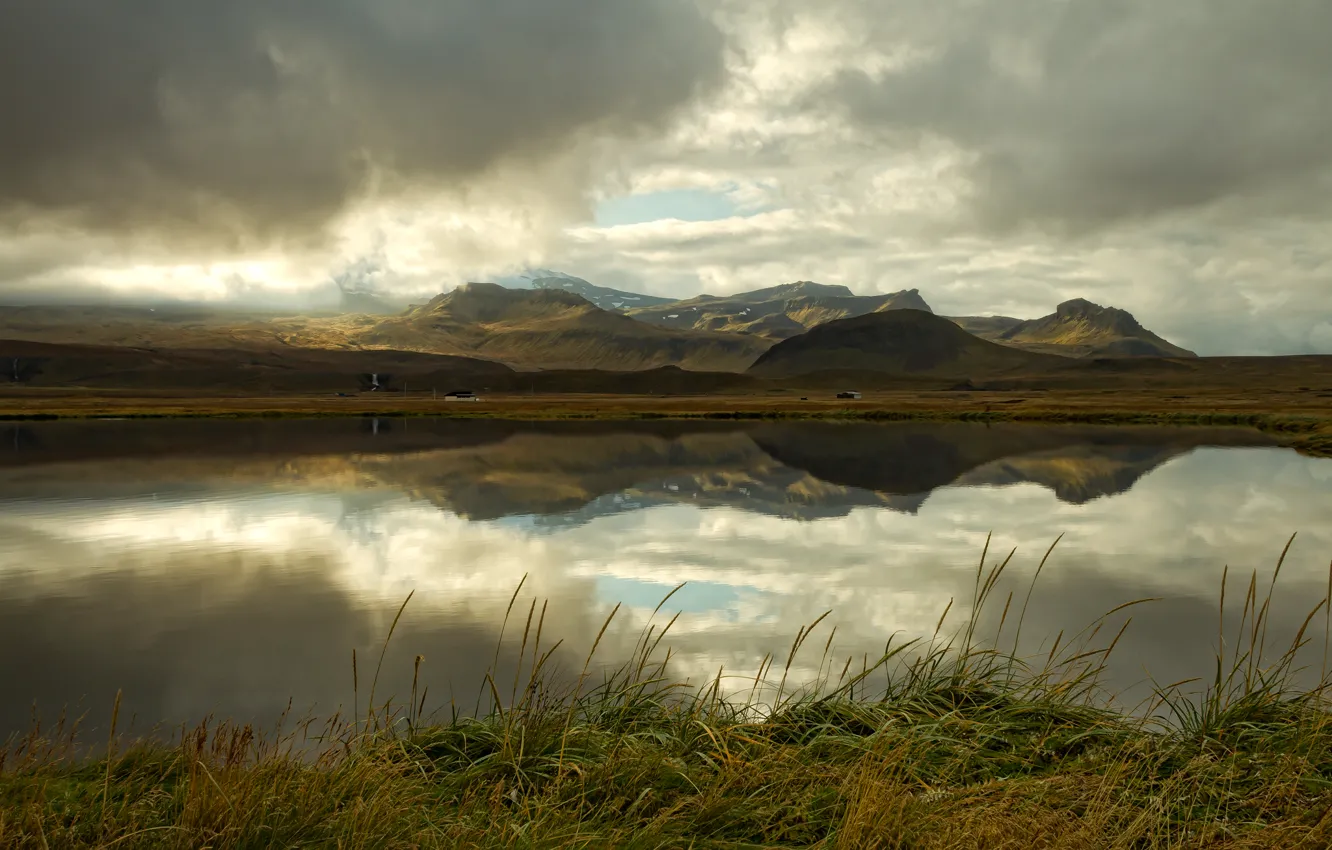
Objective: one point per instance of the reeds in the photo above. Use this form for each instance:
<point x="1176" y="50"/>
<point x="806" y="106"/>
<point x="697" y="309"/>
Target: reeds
<point x="943" y="741"/>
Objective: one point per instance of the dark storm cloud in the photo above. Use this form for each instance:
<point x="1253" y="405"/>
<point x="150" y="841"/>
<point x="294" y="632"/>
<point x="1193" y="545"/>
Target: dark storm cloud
<point x="1085" y="112"/>
<point x="266" y="117"/>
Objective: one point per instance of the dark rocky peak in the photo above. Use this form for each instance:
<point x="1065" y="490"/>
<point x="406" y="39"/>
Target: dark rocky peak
<point x="490" y="301"/>
<point x="1110" y="318"/>
<point x="801" y="288"/>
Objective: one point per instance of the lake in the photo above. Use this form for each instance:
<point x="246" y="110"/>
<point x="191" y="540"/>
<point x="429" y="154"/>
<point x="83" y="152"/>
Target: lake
<point x="230" y="568"/>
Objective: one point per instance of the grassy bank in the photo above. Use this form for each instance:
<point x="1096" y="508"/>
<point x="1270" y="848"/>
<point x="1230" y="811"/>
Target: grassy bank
<point x="940" y="743"/>
<point x="1306" y="431"/>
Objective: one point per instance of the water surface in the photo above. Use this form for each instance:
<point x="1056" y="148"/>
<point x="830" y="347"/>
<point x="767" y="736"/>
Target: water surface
<point x="227" y="568"/>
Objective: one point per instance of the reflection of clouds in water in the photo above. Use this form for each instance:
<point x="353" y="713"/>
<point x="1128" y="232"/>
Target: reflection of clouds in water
<point x="756" y="577"/>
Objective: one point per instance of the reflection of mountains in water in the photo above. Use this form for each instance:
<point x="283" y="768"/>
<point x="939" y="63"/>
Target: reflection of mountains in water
<point x="563" y="474"/>
<point x="787" y="494"/>
<point x="826" y="470"/>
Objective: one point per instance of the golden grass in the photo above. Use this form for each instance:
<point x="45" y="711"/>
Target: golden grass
<point x="1303" y="420"/>
<point x="943" y="743"/>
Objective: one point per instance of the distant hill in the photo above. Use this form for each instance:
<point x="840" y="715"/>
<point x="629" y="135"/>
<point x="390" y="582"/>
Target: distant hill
<point x="1077" y="328"/>
<point x="896" y="341"/>
<point x="777" y="312"/>
<point x="551" y="329"/>
<point x="611" y="300"/>
<point x="40" y="364"/>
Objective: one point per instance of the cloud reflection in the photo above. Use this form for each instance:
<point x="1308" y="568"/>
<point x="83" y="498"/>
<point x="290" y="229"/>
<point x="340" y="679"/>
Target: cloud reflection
<point x="252" y="584"/>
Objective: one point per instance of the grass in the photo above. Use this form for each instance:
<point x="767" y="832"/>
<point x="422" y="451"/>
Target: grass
<point x="946" y="742"/>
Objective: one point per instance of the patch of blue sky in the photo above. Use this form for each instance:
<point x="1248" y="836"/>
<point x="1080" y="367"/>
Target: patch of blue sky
<point x="681" y="204"/>
<point x="696" y="597"/>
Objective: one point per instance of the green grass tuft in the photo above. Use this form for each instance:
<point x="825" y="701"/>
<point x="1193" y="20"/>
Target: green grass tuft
<point x="942" y="742"/>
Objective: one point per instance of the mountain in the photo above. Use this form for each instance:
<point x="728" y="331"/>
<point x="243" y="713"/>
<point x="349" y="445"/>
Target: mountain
<point x="551" y="329"/>
<point x="1077" y="328"/>
<point x="777" y="312"/>
<point x="897" y="341"/>
<point x="611" y="300"/>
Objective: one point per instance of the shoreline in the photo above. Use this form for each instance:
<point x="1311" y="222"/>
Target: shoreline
<point x="1300" y="423"/>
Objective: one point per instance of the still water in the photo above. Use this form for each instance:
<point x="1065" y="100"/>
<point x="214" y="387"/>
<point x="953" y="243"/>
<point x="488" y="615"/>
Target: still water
<point x="230" y="568"/>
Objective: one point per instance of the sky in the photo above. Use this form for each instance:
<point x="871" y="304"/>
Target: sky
<point x="1000" y="156"/>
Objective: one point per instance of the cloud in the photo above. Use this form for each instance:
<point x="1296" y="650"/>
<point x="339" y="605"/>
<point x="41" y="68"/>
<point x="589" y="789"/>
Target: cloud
<point x="1074" y="114"/>
<point x="999" y="155"/>
<point x="248" y="120"/>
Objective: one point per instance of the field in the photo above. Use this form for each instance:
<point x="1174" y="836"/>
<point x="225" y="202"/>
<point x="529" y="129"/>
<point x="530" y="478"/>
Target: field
<point x="948" y="742"/>
<point x="1302" y="418"/>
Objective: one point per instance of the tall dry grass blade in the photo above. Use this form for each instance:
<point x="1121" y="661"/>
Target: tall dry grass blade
<point x="866" y="670"/>
<point x="1054" y="648"/>
<point x="416" y="678"/>
<point x="522" y="653"/>
<point x="1250" y="608"/>
<point x="845" y="668"/>
<point x="499" y="642"/>
<point x="939" y="625"/>
<point x="664" y="631"/>
<point x="1003" y="618"/>
<point x="582" y="677"/>
<point x="1022" y="615"/>
<point x="1264" y="614"/>
<point x="827" y="646"/>
<point x="110" y="759"/>
<point x="382" y="651"/>
<point x="1221" y="623"/>
<point x="765" y="661"/>
<point x="537" y="658"/>
<point x="983" y="592"/>
<point x="535" y="682"/>
<point x="641" y="645"/>
<point x="980" y="570"/>
<point x="494" y="695"/>
<point x="1327" y="623"/>
<point x="801" y="637"/>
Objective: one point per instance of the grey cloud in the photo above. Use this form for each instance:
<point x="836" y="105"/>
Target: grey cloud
<point x="245" y="118"/>
<point x="1079" y="113"/>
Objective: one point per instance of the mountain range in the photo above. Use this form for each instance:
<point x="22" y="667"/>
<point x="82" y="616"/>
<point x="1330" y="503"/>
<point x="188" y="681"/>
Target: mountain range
<point x="552" y="328"/>
<point x="777" y="312"/>
<point x="551" y="321"/>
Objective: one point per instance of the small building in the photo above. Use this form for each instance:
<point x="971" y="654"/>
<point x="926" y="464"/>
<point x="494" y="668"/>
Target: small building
<point x="848" y="394"/>
<point x="461" y="395"/>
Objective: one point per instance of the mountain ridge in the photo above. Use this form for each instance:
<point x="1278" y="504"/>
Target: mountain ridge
<point x="776" y="312"/>
<point x="896" y="341"/>
<point x="551" y="329"/>
<point x="1077" y="328"/>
